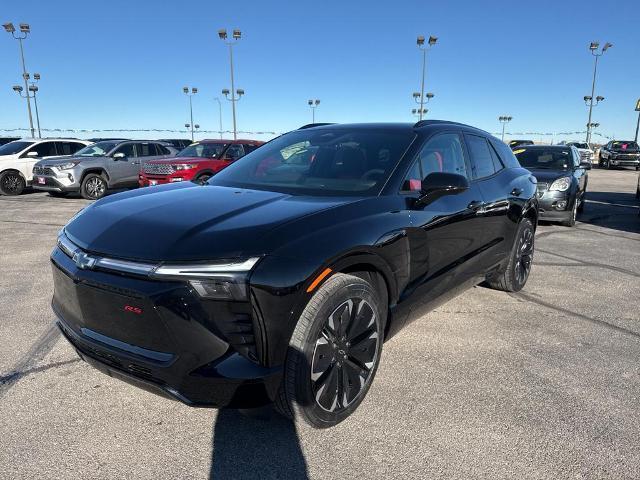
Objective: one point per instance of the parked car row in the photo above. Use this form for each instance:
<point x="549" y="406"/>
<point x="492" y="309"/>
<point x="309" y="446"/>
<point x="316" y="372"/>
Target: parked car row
<point x="61" y="166"/>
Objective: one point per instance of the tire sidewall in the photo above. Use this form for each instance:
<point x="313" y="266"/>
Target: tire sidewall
<point x="525" y="223"/>
<point x="336" y="291"/>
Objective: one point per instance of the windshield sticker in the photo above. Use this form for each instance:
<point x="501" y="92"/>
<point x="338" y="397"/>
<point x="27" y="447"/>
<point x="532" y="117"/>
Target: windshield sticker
<point x="520" y="150"/>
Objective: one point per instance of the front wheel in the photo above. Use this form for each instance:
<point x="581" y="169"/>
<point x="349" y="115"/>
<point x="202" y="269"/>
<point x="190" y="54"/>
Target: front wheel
<point x="517" y="272"/>
<point x="202" y="179"/>
<point x="334" y="352"/>
<point x="93" y="187"/>
<point x="11" y="183"/>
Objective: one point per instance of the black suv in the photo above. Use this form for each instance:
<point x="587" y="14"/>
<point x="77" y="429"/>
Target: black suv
<point x="287" y="272"/>
<point x="620" y="153"/>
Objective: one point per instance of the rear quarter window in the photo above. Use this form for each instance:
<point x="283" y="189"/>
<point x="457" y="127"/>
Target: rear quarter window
<point x="506" y="155"/>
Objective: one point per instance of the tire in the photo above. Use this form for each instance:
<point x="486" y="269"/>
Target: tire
<point x="571" y="222"/>
<point x="94" y="186"/>
<point x="334" y="352"/>
<point x="515" y="276"/>
<point x="58" y="194"/>
<point x="201" y="180"/>
<point x="582" y="201"/>
<point x="11" y="183"/>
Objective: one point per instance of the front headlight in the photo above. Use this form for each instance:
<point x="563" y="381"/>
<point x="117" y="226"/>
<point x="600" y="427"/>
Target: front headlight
<point x="561" y="184"/>
<point x="184" y="166"/>
<point x="216" y="281"/>
<point x="66" y="166"/>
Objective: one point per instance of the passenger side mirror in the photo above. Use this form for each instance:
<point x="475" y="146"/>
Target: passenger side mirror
<point x="586" y="165"/>
<point x="439" y="184"/>
<point x="119" y="156"/>
<point x="32" y="154"/>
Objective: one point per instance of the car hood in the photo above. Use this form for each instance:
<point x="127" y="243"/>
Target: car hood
<point x="548" y="176"/>
<point x="183" y="160"/>
<point x="188" y="222"/>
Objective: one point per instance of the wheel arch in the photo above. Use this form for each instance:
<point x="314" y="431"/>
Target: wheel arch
<point x="98" y="170"/>
<point x="14" y="170"/>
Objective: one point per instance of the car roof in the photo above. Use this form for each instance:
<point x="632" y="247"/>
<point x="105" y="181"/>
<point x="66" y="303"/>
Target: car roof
<point x="222" y="140"/>
<point x="419" y="126"/>
<point x="557" y="147"/>
<point x="48" y="139"/>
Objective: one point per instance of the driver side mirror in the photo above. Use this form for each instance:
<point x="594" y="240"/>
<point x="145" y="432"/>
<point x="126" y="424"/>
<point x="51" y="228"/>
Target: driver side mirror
<point x="32" y="154"/>
<point x="119" y="156"/>
<point x="439" y="184"/>
<point x="586" y="165"/>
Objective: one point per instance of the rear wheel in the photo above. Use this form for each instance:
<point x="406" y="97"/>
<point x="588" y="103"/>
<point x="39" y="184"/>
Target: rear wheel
<point x="517" y="272"/>
<point x="94" y="186"/>
<point x="334" y="352"/>
<point x="11" y="183"/>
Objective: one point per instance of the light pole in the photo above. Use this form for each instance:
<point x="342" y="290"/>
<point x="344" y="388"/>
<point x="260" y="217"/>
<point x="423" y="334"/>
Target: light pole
<point x="504" y="119"/>
<point x="313" y="104"/>
<point x="420" y="42"/>
<point x="190" y="93"/>
<point x="34" y="89"/>
<point x="593" y="47"/>
<point x="638" y="124"/>
<point x="419" y="111"/>
<point x="219" y="115"/>
<point x="235" y="94"/>
<point x="24" y="31"/>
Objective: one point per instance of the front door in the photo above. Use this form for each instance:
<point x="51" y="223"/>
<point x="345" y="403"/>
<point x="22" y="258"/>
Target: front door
<point x="119" y="169"/>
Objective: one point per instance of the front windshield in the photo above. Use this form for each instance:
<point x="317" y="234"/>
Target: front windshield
<point x="12" y="148"/>
<point x="99" y="149"/>
<point x="324" y="161"/>
<point x="580" y="145"/>
<point x="622" y="145"/>
<point x="545" y="158"/>
<point x="203" y="150"/>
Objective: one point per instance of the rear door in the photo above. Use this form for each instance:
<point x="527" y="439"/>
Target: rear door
<point x="490" y="175"/>
<point x="445" y="235"/>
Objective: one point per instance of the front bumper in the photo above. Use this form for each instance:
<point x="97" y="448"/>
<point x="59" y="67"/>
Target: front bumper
<point x="624" y="162"/>
<point x="173" y="345"/>
<point x="147" y="179"/>
<point x="554" y="205"/>
<point x="65" y="181"/>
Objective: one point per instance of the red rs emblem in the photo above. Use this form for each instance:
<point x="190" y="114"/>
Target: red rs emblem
<point x="132" y="309"/>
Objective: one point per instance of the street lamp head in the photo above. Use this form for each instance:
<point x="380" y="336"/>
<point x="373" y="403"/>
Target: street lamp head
<point x="36" y="76"/>
<point x="594" y="46"/>
<point x="430" y="95"/>
<point x="310" y="102"/>
<point x="33" y="88"/>
<point x="607" y="46"/>
<point x="237" y="34"/>
<point x="509" y="119"/>
<point x="26" y="76"/>
<point x="187" y="125"/>
<point x="194" y="90"/>
<point x="420" y="41"/>
<point x="9" y="28"/>
<point x="595" y="125"/>
<point x="414" y="111"/>
<point x="24" y="28"/>
<point x="240" y="92"/>
<point x="222" y="33"/>
<point x="317" y="102"/>
<point x="17" y="88"/>
<point x="196" y="126"/>
<point x="225" y="91"/>
<point x="185" y="89"/>
<point x="416" y="94"/>
<point x="599" y="98"/>
<point x="638" y="105"/>
<point x="432" y="40"/>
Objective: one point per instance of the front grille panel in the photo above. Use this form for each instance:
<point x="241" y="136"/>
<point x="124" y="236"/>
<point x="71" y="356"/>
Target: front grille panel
<point x="40" y="170"/>
<point x="158" y="168"/>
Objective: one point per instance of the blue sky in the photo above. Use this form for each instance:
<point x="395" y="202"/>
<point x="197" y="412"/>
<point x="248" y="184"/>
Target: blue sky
<point x="122" y="64"/>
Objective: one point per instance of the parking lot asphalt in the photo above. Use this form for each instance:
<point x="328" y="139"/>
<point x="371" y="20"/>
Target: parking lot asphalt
<point x="544" y="383"/>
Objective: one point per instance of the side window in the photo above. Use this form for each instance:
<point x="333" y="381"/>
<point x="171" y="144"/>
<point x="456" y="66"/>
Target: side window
<point x="481" y="159"/>
<point x="442" y="153"/>
<point x="234" y="152"/>
<point x="68" y="148"/>
<point x="249" y="148"/>
<point x="505" y="154"/>
<point x="162" y="150"/>
<point x="127" y="149"/>
<point x="44" y="149"/>
<point x="145" y="149"/>
<point x="497" y="163"/>
<point x="576" y="157"/>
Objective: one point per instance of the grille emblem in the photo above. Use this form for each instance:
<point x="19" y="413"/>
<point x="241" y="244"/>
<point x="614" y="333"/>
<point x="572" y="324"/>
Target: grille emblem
<point x="84" y="261"/>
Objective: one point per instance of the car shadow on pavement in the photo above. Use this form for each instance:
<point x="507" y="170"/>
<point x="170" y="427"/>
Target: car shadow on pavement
<point x="614" y="210"/>
<point x="261" y="445"/>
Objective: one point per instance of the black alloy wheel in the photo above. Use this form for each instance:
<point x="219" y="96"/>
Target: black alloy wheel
<point x="334" y="351"/>
<point x="515" y="275"/>
<point x="11" y="183"/>
<point x="344" y="354"/>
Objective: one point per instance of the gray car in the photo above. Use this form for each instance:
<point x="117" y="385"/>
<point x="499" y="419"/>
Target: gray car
<point x="98" y="167"/>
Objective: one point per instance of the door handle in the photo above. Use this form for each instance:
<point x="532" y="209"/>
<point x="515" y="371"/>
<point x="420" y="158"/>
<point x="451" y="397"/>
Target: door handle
<point x="516" y="192"/>
<point x="476" y="205"/>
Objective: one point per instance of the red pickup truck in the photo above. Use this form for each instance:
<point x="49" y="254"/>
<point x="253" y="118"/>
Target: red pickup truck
<point x="198" y="162"/>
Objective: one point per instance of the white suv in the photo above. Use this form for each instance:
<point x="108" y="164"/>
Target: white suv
<point x="17" y="159"/>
